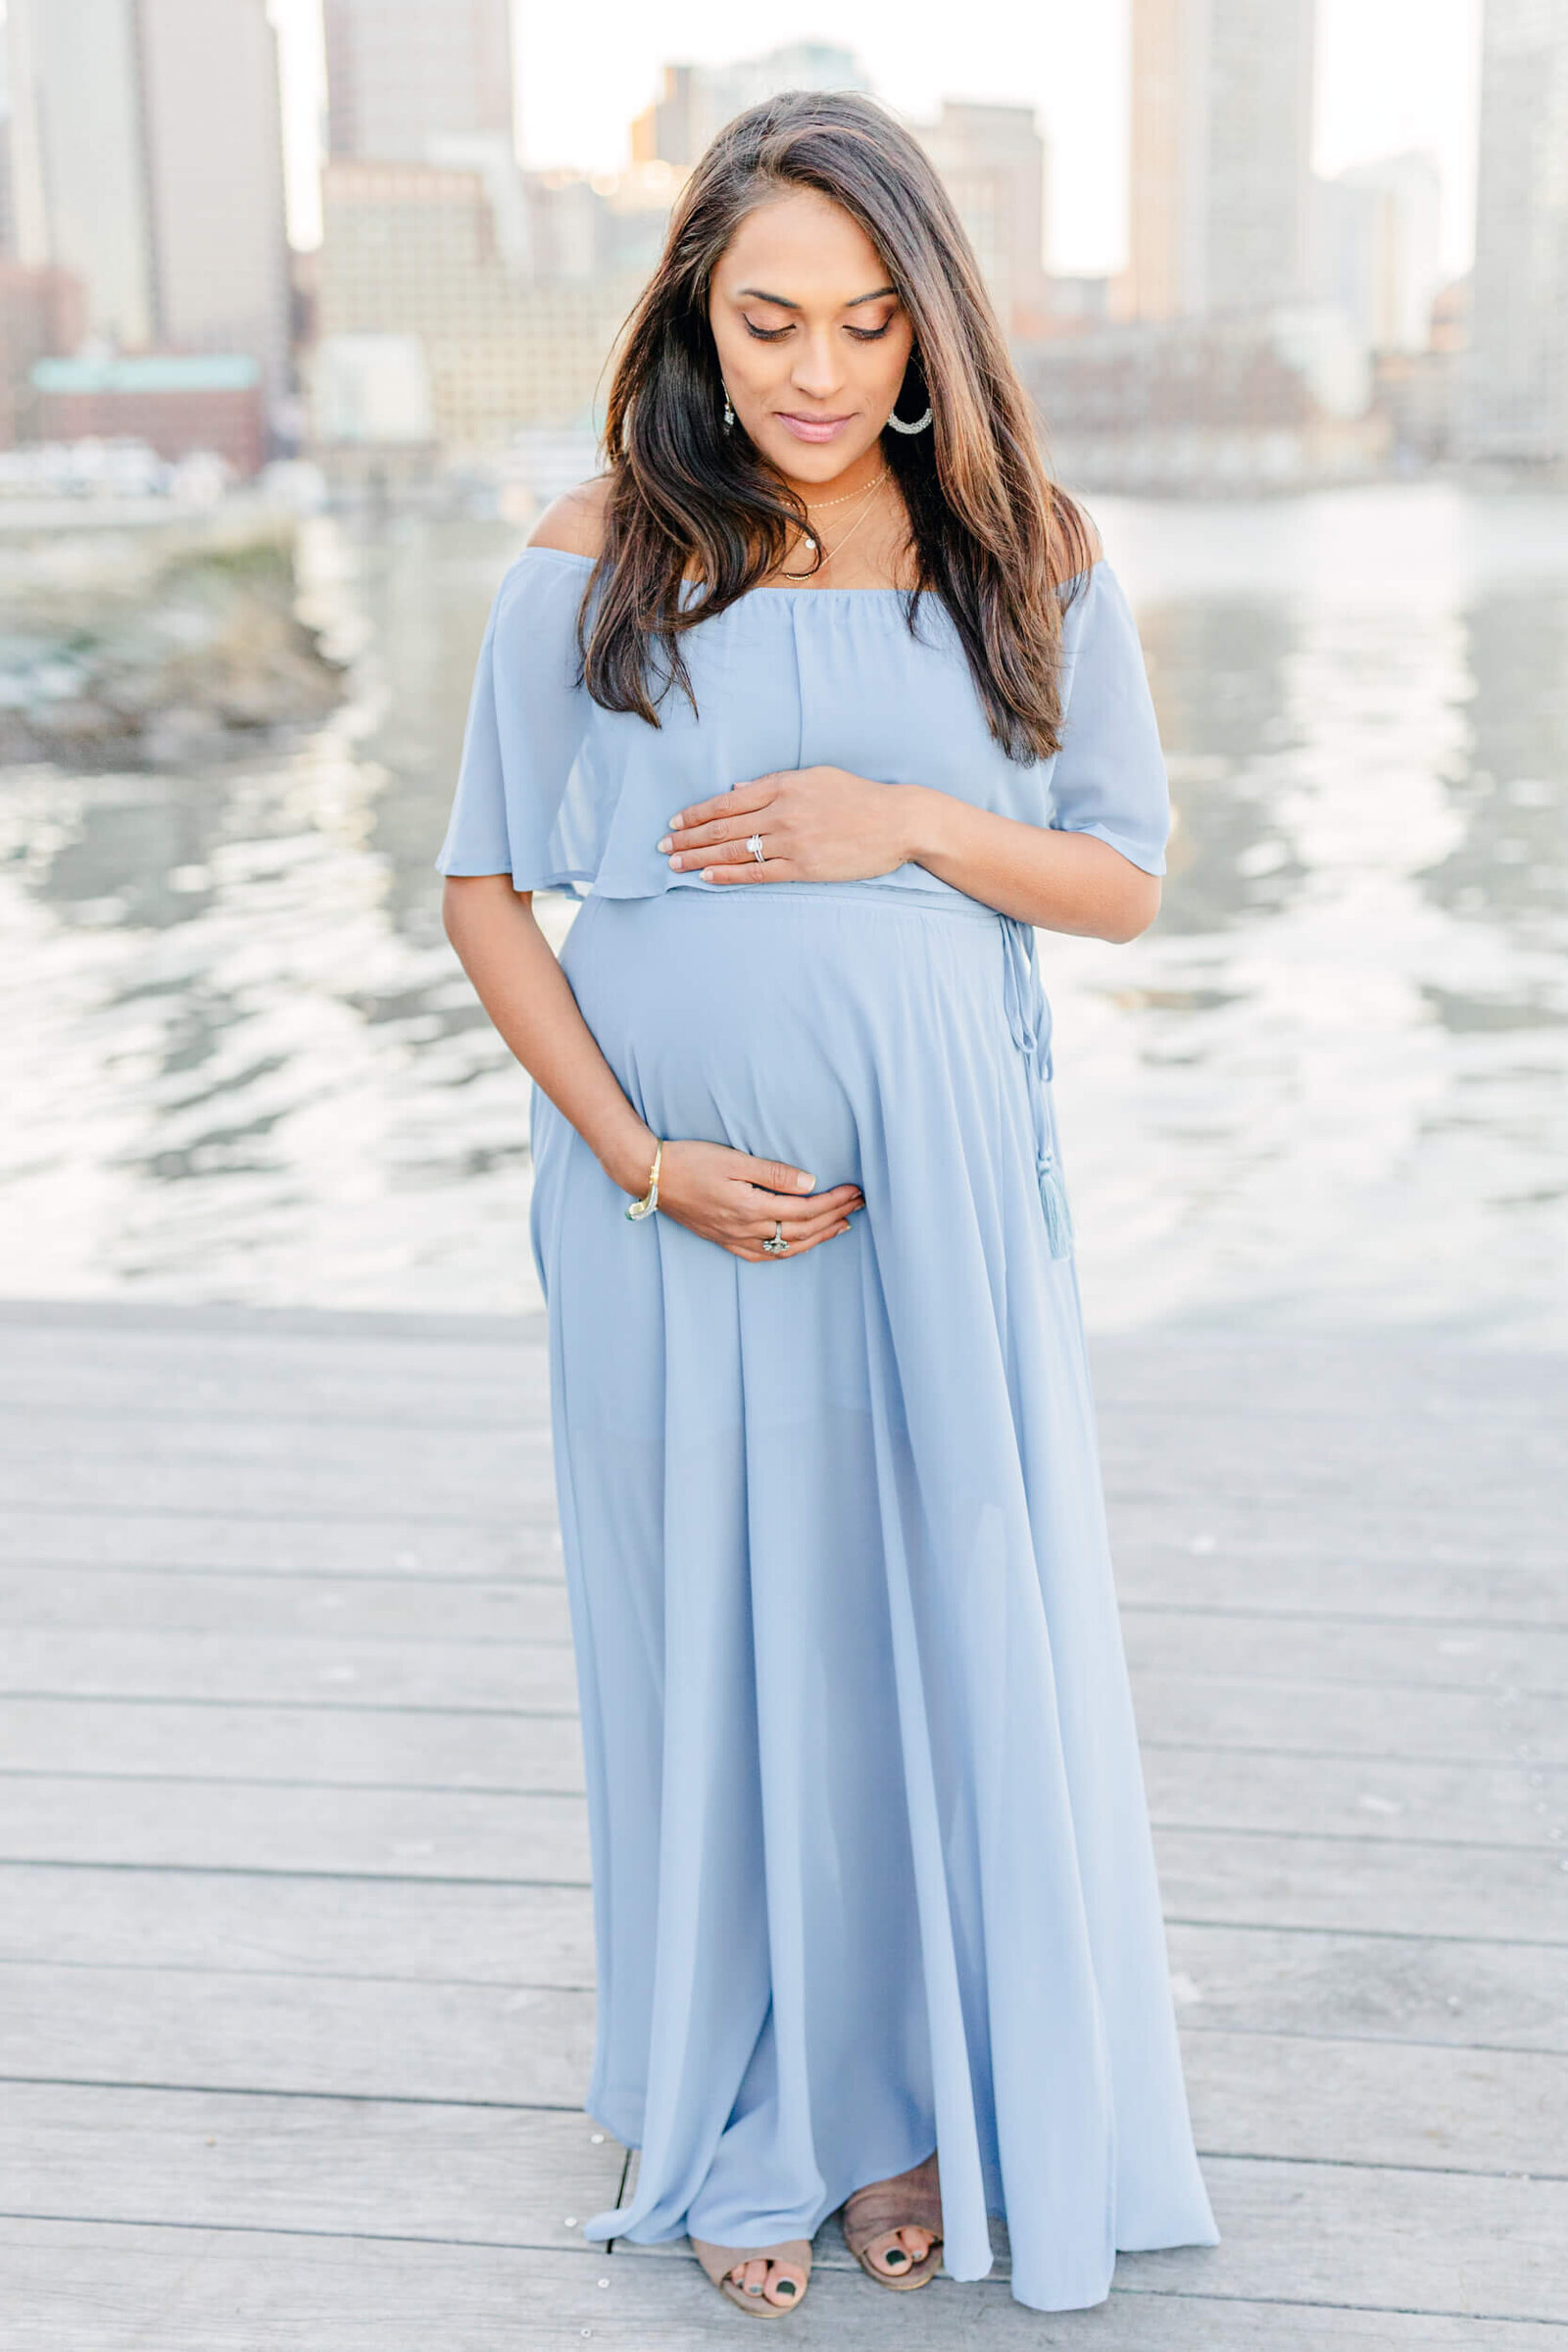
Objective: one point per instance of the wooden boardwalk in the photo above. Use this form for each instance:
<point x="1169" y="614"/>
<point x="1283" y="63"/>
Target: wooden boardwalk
<point x="294" y="1930"/>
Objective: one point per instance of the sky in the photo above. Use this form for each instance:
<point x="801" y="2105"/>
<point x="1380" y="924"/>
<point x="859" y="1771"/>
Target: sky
<point x="1392" y="74"/>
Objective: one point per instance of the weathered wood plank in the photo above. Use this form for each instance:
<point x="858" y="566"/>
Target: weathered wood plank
<point x="347" y="1485"/>
<point x="1313" y="1719"/>
<point x="372" y="1542"/>
<point x="1244" y="1878"/>
<point x="341" y="2036"/>
<point x="396" y="1929"/>
<point x="332" y="1747"/>
<point x="1246" y="1978"/>
<point x="1369" y="1376"/>
<point x="1393" y="1987"/>
<point x="1185" y="1709"/>
<point x="1400" y="2241"/>
<point x="348" y="2166"/>
<point x="123" y="1664"/>
<point x="344" y="1746"/>
<point x="1316" y="2099"/>
<point x="401" y="1608"/>
<point x="1304" y="2097"/>
<point x="1500" y="1663"/>
<point x="1372" y="1532"/>
<point x="195" y="1824"/>
<point x="190" y="1820"/>
<point x="1191" y="1787"/>
<point x="1153" y="1572"/>
<point x="1350" y="2252"/>
<point x="79" y="2283"/>
<point x="1322" y="1649"/>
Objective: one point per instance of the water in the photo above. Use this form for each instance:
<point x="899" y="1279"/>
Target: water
<point x="240" y="1061"/>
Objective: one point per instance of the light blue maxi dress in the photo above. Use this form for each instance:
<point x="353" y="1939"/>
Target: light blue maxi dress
<point x="872" y="1870"/>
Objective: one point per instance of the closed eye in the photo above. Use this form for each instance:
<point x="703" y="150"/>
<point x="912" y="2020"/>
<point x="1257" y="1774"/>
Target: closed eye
<point x="862" y="334"/>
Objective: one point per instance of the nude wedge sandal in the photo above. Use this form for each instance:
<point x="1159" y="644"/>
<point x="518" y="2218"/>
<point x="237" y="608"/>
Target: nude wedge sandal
<point x="720" y="2261"/>
<point x="910" y="2200"/>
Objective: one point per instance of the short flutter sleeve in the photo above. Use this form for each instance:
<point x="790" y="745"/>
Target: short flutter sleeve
<point x="518" y="805"/>
<point x="1108" y="777"/>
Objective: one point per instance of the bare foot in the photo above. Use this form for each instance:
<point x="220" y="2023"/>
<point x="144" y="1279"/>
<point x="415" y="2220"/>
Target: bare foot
<point x="894" y="2252"/>
<point x="901" y="2250"/>
<point x="781" y="2282"/>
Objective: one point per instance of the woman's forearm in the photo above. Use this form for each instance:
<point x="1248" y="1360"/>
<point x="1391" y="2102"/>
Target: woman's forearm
<point x="1058" y="881"/>
<point x="529" y="998"/>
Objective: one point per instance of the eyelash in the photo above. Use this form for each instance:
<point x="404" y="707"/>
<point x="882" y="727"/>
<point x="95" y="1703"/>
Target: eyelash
<point x="862" y="334"/>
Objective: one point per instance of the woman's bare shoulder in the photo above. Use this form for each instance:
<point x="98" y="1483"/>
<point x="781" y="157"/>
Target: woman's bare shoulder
<point x="574" y="524"/>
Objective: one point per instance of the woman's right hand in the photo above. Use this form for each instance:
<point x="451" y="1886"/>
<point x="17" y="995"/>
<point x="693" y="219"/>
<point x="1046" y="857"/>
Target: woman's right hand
<point x="735" y="1201"/>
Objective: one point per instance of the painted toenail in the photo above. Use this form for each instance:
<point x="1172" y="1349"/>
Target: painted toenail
<point x="786" y="2286"/>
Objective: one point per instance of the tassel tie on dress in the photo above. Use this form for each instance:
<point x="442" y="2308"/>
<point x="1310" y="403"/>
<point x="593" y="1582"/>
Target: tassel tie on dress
<point x="1029" y="1023"/>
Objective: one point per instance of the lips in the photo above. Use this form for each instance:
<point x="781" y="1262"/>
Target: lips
<point x="812" y="428"/>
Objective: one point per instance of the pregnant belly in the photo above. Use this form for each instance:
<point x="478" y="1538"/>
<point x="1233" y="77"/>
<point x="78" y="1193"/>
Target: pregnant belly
<point x="785" y="1022"/>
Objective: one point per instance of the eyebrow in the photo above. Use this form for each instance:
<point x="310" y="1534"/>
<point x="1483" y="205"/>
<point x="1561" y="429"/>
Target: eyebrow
<point x="782" y="302"/>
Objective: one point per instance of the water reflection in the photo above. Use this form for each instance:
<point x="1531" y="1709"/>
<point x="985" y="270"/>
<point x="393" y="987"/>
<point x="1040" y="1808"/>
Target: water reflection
<point x="243" y="1064"/>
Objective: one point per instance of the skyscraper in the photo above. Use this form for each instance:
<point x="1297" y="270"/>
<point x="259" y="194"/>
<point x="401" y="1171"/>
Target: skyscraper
<point x="401" y="74"/>
<point x="215" y="180"/>
<point x="993" y="162"/>
<point x="78" y="159"/>
<point x="1220" y="156"/>
<point x="695" y="101"/>
<point x="1376" y="251"/>
<point x="148" y="163"/>
<point x="1515" y="385"/>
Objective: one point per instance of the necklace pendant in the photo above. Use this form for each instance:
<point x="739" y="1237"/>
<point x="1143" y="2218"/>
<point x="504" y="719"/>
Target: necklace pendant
<point x="811" y="542"/>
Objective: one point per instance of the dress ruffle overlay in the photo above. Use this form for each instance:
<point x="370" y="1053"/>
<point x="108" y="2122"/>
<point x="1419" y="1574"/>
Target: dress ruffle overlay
<point x="872" y="1870"/>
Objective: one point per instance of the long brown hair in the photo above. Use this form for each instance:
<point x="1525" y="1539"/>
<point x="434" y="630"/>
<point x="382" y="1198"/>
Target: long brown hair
<point x="990" y="535"/>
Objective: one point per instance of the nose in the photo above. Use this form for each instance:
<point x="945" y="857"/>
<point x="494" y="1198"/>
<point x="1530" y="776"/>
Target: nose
<point x="817" y="366"/>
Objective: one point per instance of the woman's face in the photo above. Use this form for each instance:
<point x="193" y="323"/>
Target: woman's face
<point x="812" y="342"/>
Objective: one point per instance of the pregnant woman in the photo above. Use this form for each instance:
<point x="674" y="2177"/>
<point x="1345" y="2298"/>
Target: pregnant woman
<point x="820" y="700"/>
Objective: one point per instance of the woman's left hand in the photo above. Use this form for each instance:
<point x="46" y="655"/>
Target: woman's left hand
<point x="817" y="824"/>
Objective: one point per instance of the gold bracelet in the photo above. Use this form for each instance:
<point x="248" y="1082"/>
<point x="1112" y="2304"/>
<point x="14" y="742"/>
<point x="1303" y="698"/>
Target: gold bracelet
<point x="646" y="1206"/>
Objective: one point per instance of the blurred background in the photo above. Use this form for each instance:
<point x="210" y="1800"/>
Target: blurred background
<point x="304" y="310"/>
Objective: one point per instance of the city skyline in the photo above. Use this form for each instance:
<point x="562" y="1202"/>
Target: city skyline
<point x="1391" y="75"/>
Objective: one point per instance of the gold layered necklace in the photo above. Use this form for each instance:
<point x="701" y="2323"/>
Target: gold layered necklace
<point x="814" y="543"/>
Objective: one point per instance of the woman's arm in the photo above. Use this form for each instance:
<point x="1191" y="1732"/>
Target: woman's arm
<point x="726" y="1197"/>
<point x="529" y="998"/>
<point x="822" y="824"/>
<point x="1056" y="880"/>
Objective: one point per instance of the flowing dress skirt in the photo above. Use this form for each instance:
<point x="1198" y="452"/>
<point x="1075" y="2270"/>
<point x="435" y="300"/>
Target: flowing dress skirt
<point x="872" y="1872"/>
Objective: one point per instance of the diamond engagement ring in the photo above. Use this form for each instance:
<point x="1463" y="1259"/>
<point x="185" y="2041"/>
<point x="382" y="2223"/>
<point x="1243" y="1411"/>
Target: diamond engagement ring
<point x="755" y="843"/>
<point x="778" y="1244"/>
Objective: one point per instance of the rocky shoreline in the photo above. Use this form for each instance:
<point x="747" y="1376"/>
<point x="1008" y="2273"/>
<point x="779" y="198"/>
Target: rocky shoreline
<point x="156" y="646"/>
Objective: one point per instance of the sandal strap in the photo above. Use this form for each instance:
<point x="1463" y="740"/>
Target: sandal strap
<point x="911" y="2201"/>
<point x="720" y="2261"/>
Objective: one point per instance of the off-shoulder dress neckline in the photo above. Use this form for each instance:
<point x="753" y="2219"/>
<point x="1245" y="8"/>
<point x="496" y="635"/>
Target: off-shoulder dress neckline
<point x="567" y="555"/>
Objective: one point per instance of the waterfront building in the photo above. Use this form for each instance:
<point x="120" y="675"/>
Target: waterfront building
<point x="1221" y="105"/>
<point x="1276" y="401"/>
<point x="695" y="101"/>
<point x="42" y="313"/>
<point x="147" y="151"/>
<point x="992" y="162"/>
<point x="401" y="74"/>
<point x="1514" y="397"/>
<point x="1375" y="249"/>
<point x="173" y="403"/>
<point x="412" y="250"/>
